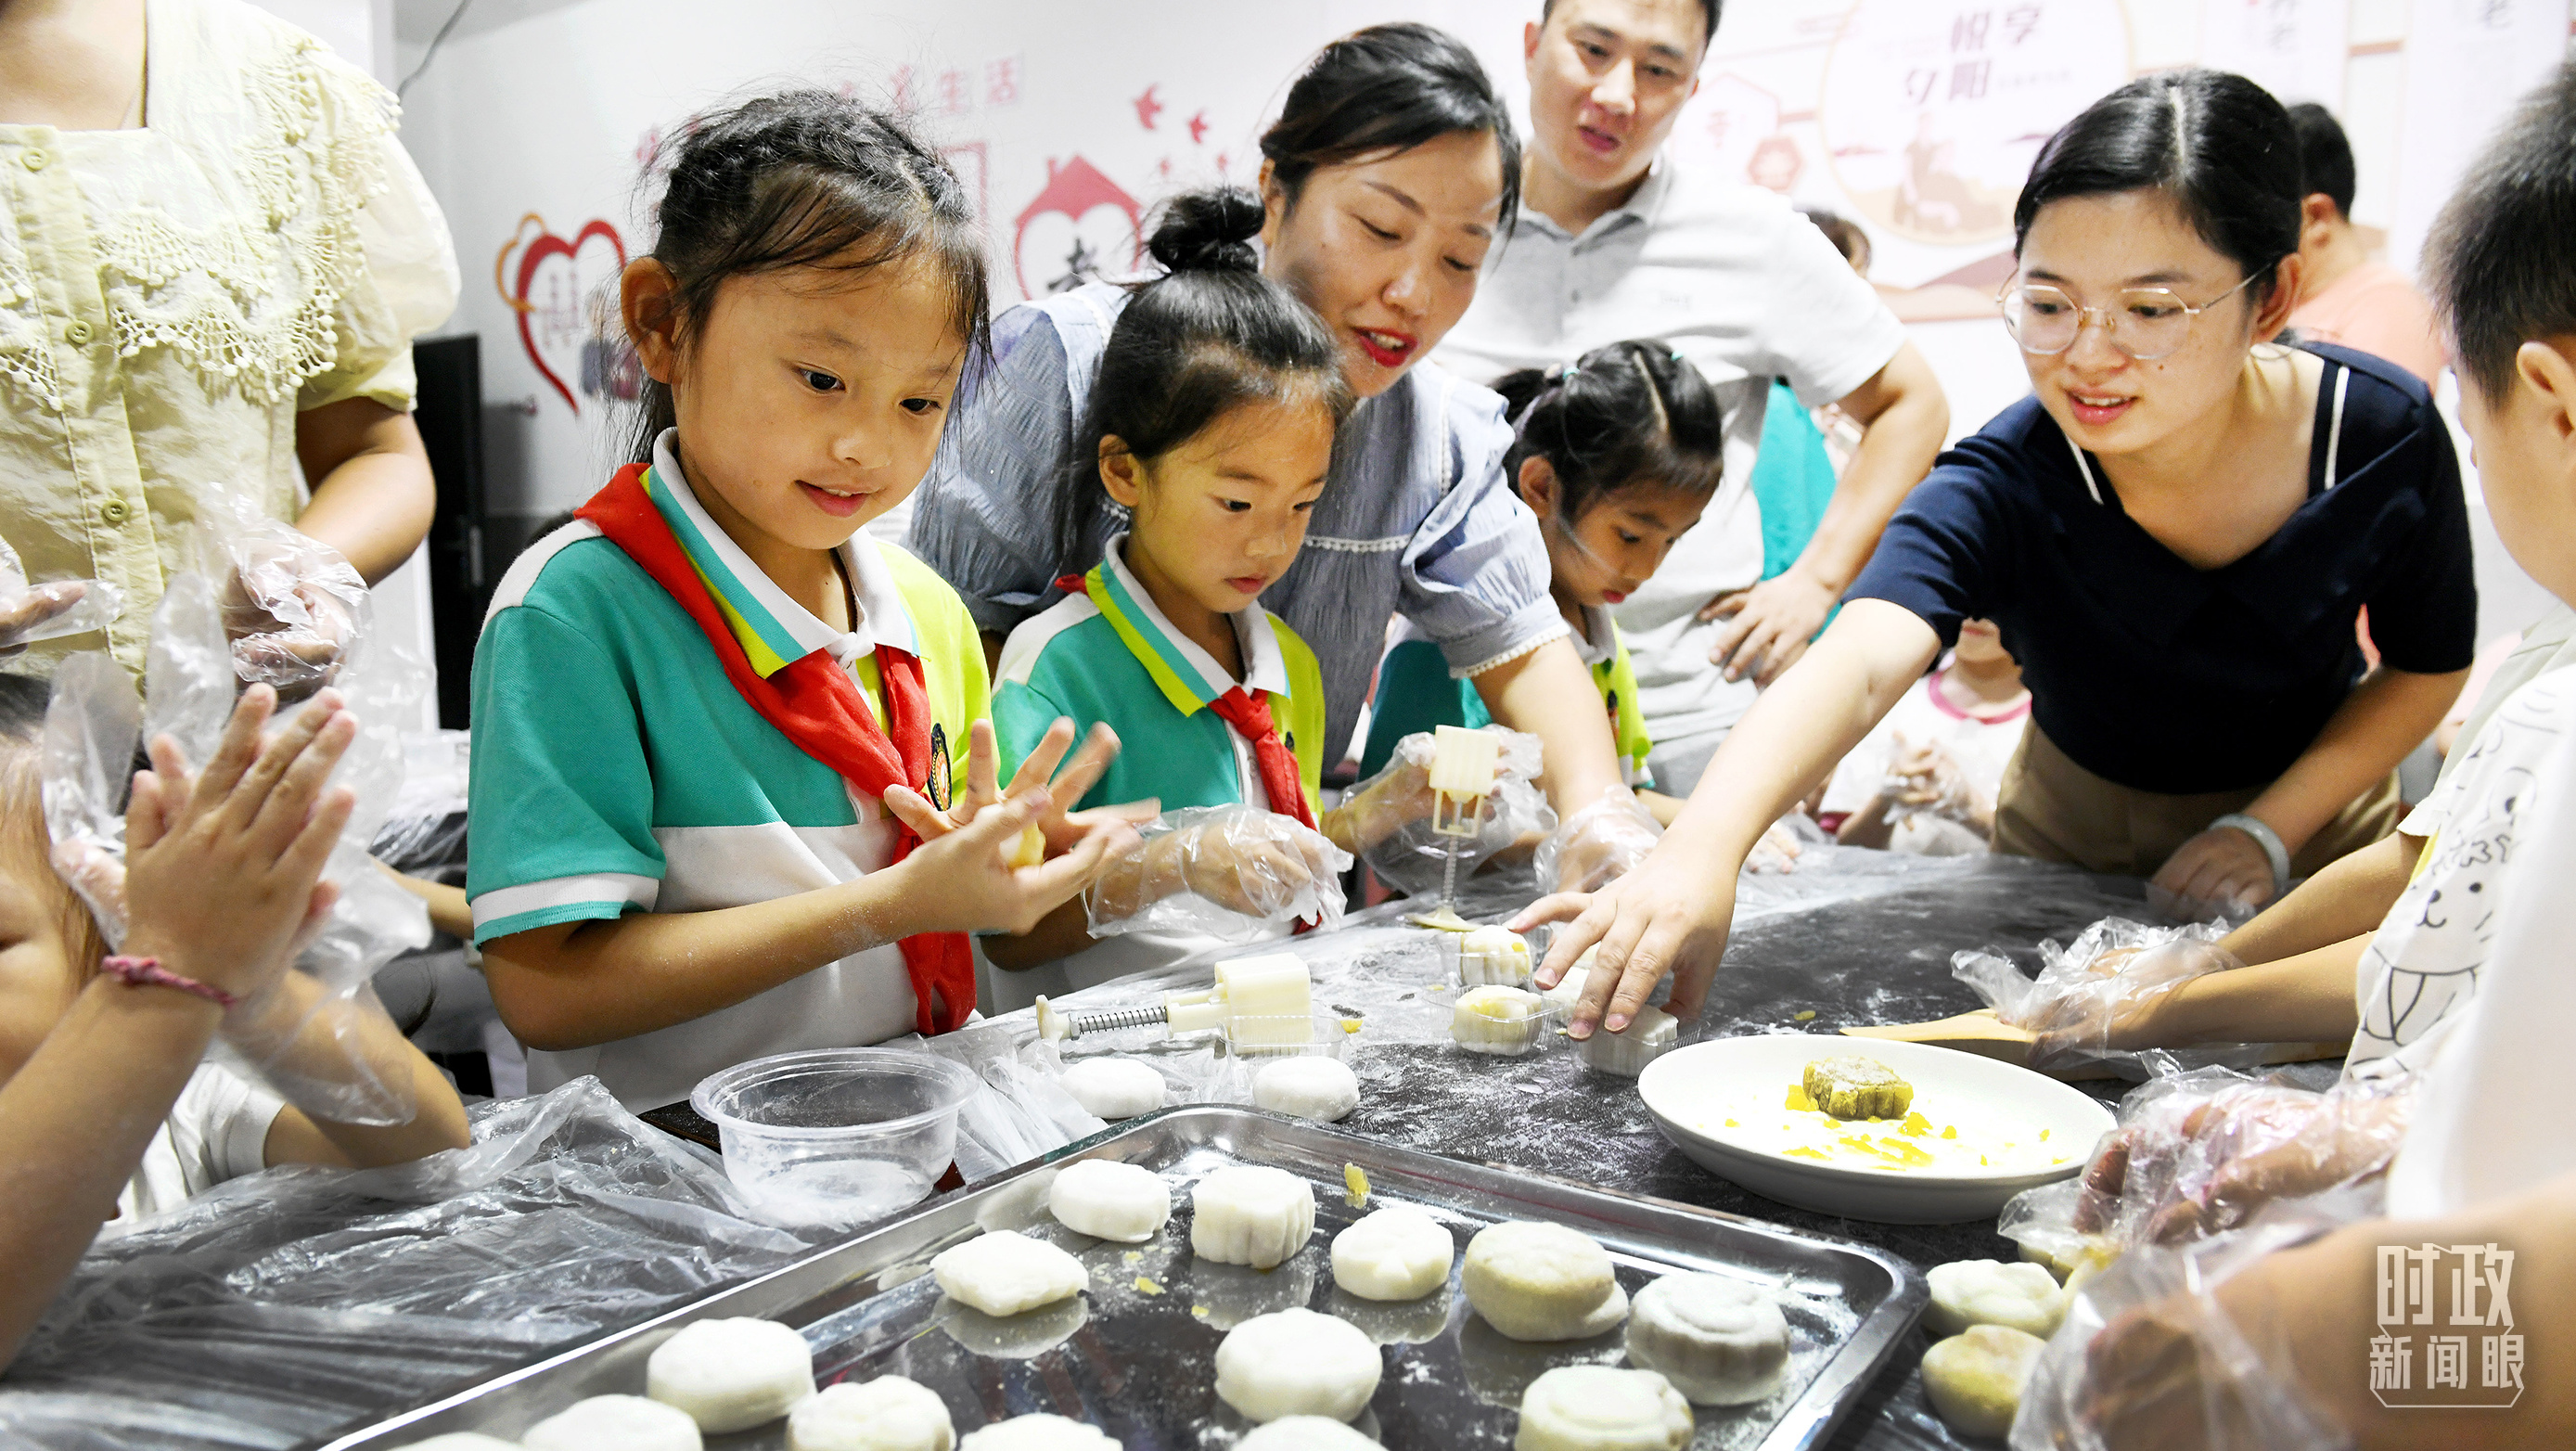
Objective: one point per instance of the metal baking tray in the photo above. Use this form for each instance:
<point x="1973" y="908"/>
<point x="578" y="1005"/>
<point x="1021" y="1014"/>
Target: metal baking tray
<point x="1136" y="1355"/>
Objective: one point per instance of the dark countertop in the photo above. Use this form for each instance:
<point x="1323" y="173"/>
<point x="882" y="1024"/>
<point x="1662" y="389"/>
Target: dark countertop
<point x="1867" y="940"/>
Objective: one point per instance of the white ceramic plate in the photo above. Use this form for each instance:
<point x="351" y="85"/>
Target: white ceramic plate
<point x="2008" y="1129"/>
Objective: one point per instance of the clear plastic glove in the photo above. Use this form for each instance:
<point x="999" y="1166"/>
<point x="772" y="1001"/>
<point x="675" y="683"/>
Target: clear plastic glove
<point x="292" y="606"/>
<point x="1228" y="872"/>
<point x="1925" y="779"/>
<point x="1776" y="852"/>
<point x="2095" y="1001"/>
<point x="2192" y="1346"/>
<point x="1390" y="813"/>
<point x="1598" y="844"/>
<point x="2205" y="1152"/>
<point x="320" y="1040"/>
<point x="29" y="613"/>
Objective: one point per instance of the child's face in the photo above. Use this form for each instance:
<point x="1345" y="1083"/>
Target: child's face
<point x="1222" y="516"/>
<point x="1980" y="643"/>
<point x="2527" y="462"/>
<point x="1618" y="544"/>
<point x="37" y="980"/>
<point x="809" y="401"/>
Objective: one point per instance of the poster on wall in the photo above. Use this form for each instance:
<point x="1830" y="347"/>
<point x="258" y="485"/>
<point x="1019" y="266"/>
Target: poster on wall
<point x="2296" y="49"/>
<point x="1933" y="109"/>
<point x="2467" y="62"/>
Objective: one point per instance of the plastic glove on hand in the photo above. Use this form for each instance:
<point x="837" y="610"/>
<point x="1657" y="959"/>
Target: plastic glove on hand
<point x="1598" y="844"/>
<point x="1225" y="871"/>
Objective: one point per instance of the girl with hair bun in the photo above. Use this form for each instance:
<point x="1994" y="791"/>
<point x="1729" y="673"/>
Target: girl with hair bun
<point x="2175" y="534"/>
<point x="1204" y="451"/>
<point x="1391" y="169"/>
<point x="1617" y="453"/>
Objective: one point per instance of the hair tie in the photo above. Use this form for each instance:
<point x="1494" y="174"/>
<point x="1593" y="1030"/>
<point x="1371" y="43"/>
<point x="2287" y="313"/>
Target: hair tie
<point x="1568" y="371"/>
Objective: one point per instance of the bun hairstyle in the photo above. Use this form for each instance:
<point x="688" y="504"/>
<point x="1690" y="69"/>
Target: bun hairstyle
<point x="1208" y="336"/>
<point x="1385" y="89"/>
<point x="2219" y="145"/>
<point x="1630" y="415"/>
<point x="808" y="179"/>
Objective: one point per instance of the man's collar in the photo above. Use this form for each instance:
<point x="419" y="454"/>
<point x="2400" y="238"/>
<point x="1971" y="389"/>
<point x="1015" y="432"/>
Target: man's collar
<point x="1642" y="204"/>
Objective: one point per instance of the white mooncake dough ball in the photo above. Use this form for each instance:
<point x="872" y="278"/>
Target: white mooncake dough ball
<point x="1602" y="1408"/>
<point x="463" y="1441"/>
<point x="1038" y="1433"/>
<point x="1251" y="1215"/>
<point x="1720" y="1342"/>
<point x="889" y="1413"/>
<point x="1106" y="1199"/>
<point x="731" y="1375"/>
<point x="1297" y="1363"/>
<point x="629" y="1423"/>
<point x="1305" y="1433"/>
<point x="2018" y="1296"/>
<point x="1396" y="1253"/>
<point x="1535" y="1281"/>
<point x="1974" y="1379"/>
<point x="1005" y="1272"/>
<point x="1114" y="1088"/>
<point x="1322" y="1089"/>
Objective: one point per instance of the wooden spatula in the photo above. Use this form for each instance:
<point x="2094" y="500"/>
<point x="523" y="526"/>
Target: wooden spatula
<point x="1981" y="1032"/>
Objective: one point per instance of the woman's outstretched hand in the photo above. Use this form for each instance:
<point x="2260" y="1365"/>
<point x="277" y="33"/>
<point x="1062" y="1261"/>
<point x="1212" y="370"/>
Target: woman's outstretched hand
<point x="1670" y="915"/>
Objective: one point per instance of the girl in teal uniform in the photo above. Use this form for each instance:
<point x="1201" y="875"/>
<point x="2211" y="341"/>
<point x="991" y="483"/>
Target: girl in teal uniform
<point x="1211" y="429"/>
<point x="1617" y="454"/>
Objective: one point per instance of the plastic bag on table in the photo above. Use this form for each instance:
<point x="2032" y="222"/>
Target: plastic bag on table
<point x="2149" y="1358"/>
<point x="1022" y="1110"/>
<point x="1227" y="872"/>
<point x="1598" y="844"/>
<point x="1391" y="813"/>
<point x="2114" y="973"/>
<point x="319" y="1038"/>
<point x="278" y="1309"/>
<point x="294" y="608"/>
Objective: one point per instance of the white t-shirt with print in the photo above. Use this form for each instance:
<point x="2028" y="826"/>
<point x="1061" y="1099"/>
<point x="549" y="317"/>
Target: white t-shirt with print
<point x="2423" y="966"/>
<point x="217" y="1130"/>
<point x="1982" y="745"/>
<point x="2480" y="1130"/>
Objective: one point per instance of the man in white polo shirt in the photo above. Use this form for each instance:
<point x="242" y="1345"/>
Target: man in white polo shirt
<point x="1613" y="243"/>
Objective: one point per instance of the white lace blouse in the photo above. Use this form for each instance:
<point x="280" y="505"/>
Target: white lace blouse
<point x="171" y="296"/>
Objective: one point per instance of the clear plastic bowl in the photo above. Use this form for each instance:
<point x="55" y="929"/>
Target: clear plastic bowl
<point x="836" y="1136"/>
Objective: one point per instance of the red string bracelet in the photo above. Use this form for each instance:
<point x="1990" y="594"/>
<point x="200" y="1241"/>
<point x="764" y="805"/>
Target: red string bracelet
<point x="148" y="971"/>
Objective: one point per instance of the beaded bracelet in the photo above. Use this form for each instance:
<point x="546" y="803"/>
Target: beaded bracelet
<point x="148" y="971"/>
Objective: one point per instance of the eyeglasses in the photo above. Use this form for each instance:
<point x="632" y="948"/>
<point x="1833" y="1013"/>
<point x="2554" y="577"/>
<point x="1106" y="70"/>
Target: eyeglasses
<point x="2146" y="323"/>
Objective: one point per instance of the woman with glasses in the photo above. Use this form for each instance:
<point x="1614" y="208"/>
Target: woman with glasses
<point x="2176" y="533"/>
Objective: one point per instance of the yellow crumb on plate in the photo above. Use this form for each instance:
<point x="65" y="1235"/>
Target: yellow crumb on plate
<point x="1798" y="1099"/>
<point x="1355" y="1186"/>
<point x="1132" y="1257"/>
<point x="1200" y="1311"/>
<point x="1808" y="1016"/>
<point x="1145" y="1286"/>
<point x="1350" y="1025"/>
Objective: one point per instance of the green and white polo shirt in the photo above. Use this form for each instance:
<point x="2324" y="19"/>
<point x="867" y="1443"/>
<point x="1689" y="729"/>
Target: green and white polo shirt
<point x="616" y="769"/>
<point x="1120" y="661"/>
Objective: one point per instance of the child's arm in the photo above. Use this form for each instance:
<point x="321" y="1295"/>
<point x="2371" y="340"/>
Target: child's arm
<point x="2349" y="898"/>
<point x="220" y="879"/>
<point x="298" y="1137"/>
<point x="1660" y="806"/>
<point x="2308" y="1313"/>
<point x="2308" y="998"/>
<point x="448" y="911"/>
<point x="575" y="984"/>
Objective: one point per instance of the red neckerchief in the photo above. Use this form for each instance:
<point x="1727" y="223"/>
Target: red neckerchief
<point x="815" y="703"/>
